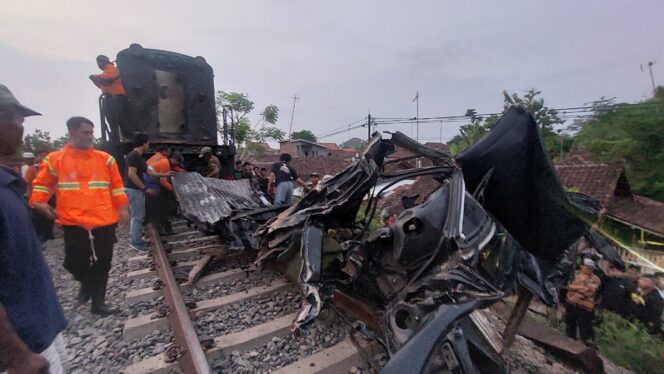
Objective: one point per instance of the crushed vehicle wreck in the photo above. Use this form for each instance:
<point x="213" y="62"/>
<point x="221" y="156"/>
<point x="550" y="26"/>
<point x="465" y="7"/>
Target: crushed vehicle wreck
<point x="498" y="222"/>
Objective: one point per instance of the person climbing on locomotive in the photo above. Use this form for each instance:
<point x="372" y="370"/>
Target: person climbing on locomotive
<point x="110" y="83"/>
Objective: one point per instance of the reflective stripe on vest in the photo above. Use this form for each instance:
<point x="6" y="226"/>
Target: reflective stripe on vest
<point x="98" y="185"/>
<point x="69" y="186"/>
<point x="41" y="189"/>
<point x="50" y="167"/>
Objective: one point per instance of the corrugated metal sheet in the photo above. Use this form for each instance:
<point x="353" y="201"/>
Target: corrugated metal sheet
<point x="209" y="200"/>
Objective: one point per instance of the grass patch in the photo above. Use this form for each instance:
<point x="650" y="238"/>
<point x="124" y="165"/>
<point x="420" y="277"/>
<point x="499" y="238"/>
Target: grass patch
<point x="629" y="344"/>
<point x="376" y="221"/>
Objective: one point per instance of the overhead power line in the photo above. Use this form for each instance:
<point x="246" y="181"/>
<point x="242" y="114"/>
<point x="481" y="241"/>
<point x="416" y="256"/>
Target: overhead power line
<point x="568" y="113"/>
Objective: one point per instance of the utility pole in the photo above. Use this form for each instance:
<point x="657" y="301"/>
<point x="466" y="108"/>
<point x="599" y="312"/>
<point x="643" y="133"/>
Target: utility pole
<point x="441" y="131"/>
<point x="369" y="128"/>
<point x="290" y="129"/>
<point x="652" y="78"/>
<point x="417" y="118"/>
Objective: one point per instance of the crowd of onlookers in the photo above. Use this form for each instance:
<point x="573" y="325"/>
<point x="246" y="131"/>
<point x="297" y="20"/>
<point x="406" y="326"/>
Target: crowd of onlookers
<point x="599" y="285"/>
<point x="278" y="183"/>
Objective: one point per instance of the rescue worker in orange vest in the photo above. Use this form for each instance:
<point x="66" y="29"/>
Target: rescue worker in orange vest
<point x="111" y="86"/>
<point x="157" y="206"/>
<point x="43" y="226"/>
<point x="90" y="202"/>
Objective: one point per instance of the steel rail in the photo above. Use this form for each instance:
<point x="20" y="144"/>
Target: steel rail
<point x="193" y="360"/>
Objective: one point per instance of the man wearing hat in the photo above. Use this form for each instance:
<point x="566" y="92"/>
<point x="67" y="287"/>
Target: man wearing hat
<point x="28" y="161"/>
<point x="31" y="318"/>
<point x="213" y="164"/>
<point x="581" y="303"/>
<point x="110" y="83"/>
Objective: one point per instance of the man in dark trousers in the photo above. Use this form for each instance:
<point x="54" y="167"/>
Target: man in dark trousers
<point x="283" y="178"/>
<point x="136" y="189"/>
<point x="90" y="202"/>
<point x="31" y="318"/>
<point x="110" y="84"/>
<point x="158" y="202"/>
<point x="579" y="311"/>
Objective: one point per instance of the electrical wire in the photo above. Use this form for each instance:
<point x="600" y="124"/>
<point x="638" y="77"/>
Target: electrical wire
<point x="567" y="113"/>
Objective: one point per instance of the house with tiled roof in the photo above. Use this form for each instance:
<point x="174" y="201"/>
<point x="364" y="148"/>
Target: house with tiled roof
<point x="330" y="146"/>
<point x="641" y="216"/>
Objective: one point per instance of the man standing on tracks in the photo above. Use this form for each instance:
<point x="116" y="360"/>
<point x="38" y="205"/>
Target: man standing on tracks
<point x="283" y="176"/>
<point x="136" y="189"/>
<point x="90" y="202"/>
<point x="158" y="205"/>
<point x="213" y="164"/>
<point x="110" y="84"/>
<point x="31" y="318"/>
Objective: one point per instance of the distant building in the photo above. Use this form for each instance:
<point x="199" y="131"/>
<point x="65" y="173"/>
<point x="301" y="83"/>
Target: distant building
<point x="300" y="148"/>
<point x="354" y="143"/>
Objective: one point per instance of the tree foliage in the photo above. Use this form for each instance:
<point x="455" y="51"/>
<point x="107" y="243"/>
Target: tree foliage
<point x="270" y="114"/>
<point x="269" y="132"/>
<point x="532" y="102"/>
<point x="630" y="134"/>
<point x="304" y="135"/>
<point x="238" y="106"/>
<point x="39" y="141"/>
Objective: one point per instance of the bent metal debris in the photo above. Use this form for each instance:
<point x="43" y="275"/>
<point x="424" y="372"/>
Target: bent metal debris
<point x="498" y="224"/>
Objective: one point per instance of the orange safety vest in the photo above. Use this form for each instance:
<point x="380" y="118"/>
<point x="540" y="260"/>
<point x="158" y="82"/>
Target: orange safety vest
<point x="87" y="185"/>
<point x="29" y="175"/>
<point x="115" y="88"/>
<point x="160" y="164"/>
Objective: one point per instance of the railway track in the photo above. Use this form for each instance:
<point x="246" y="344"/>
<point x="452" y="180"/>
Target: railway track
<point x="214" y="312"/>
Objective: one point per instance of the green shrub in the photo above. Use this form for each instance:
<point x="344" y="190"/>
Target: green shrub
<point x="629" y="344"/>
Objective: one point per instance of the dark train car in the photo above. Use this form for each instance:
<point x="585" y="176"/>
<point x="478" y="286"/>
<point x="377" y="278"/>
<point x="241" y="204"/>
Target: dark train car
<point x="170" y="97"/>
